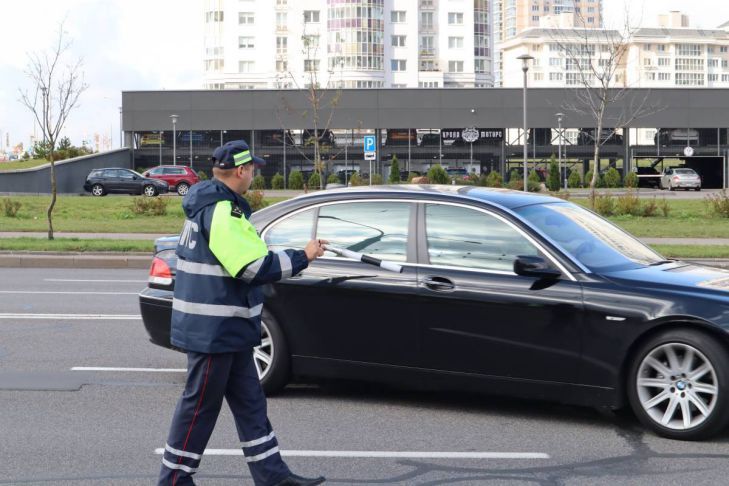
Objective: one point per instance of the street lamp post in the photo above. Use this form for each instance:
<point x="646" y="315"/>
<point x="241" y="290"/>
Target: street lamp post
<point x="121" y="132"/>
<point x="174" y="138"/>
<point x="161" y="137"/>
<point x="559" y="144"/>
<point x="525" y="58"/>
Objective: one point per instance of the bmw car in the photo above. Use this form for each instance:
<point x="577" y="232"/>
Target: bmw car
<point x="500" y="292"/>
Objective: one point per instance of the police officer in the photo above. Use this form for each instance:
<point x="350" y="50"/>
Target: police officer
<point x="216" y="319"/>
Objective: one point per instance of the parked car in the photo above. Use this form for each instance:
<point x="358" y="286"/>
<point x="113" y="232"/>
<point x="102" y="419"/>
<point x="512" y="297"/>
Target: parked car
<point x="178" y="177"/>
<point x="101" y="182"/>
<point x="500" y="292"/>
<point x="676" y="136"/>
<point x="457" y="172"/>
<point x="680" y="178"/>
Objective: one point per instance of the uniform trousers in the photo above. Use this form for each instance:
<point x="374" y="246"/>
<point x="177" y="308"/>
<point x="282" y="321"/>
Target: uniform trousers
<point x="210" y="378"/>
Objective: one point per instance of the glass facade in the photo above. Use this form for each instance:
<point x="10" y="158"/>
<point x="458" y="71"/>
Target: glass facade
<point x="356" y="30"/>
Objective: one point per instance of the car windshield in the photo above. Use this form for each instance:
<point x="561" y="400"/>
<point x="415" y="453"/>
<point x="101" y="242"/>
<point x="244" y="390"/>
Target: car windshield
<point x="593" y="241"/>
<point x="136" y="173"/>
<point x="685" y="171"/>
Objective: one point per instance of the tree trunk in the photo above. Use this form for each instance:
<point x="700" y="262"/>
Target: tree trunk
<point x="596" y="167"/>
<point x="53" y="197"/>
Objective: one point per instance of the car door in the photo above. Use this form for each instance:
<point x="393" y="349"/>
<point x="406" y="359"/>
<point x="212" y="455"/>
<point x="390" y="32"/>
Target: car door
<point x="343" y="309"/>
<point x="479" y="317"/>
<point x="129" y="183"/>
<point x="112" y="180"/>
<point x="665" y="178"/>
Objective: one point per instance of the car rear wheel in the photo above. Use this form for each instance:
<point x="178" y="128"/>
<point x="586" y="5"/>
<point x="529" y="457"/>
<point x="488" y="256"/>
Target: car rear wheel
<point x="182" y="188"/>
<point x="679" y="385"/>
<point x="149" y="190"/>
<point x="97" y="190"/>
<point x="271" y="358"/>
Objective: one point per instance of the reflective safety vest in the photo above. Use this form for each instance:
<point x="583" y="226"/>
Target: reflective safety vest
<point x="222" y="263"/>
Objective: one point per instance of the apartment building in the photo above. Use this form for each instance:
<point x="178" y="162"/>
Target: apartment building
<point x="262" y="44"/>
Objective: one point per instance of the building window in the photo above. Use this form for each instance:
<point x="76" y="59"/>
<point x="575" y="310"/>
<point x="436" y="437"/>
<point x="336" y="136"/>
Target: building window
<point x="713" y="63"/>
<point x="590" y="20"/>
<point x="535" y="8"/>
<point x="398" y="41"/>
<point x="688" y="49"/>
<point x="664" y="61"/>
<point x="573" y="79"/>
<point x="311" y="65"/>
<point x="535" y="18"/>
<point x="428" y="84"/>
<point x="246" y="18"/>
<point x="310" y="41"/>
<point x="555" y="76"/>
<point x="455" y="18"/>
<point x="311" y="16"/>
<point x="398" y="86"/>
<point x="398" y="64"/>
<point x="282" y="45"/>
<point x="661" y="48"/>
<point x="214" y="65"/>
<point x="724" y="49"/>
<point x="428" y="66"/>
<point x="397" y="17"/>
<point x="480" y="66"/>
<point x="281" y="20"/>
<point x="282" y="66"/>
<point x="725" y="78"/>
<point x="647" y="47"/>
<point x="689" y="64"/>
<point x="281" y="3"/>
<point x="246" y="43"/>
<point x="426" y="20"/>
<point x="426" y="45"/>
<point x="650" y="76"/>
<point x="246" y="66"/>
<point x="455" y="42"/>
<point x="538" y="76"/>
<point x="664" y="76"/>
<point x="555" y="61"/>
<point x="689" y="79"/>
<point x="710" y="50"/>
<point x="724" y="63"/>
<point x="455" y="66"/>
<point x="647" y="61"/>
<point x="713" y="77"/>
<point x="216" y="16"/>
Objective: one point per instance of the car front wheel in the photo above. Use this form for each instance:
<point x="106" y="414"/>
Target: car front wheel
<point x="679" y="385"/>
<point x="97" y="190"/>
<point x="149" y="191"/>
<point x="182" y="188"/>
<point x="271" y="358"/>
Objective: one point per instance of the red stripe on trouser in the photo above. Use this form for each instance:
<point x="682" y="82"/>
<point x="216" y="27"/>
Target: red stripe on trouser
<point x="194" y="417"/>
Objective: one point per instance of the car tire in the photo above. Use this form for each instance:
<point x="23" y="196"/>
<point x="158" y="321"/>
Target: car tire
<point x="697" y="189"/>
<point x="662" y="385"/>
<point x="275" y="376"/>
<point x="182" y="188"/>
<point x="670" y="187"/>
<point x="149" y="190"/>
<point x="98" y="190"/>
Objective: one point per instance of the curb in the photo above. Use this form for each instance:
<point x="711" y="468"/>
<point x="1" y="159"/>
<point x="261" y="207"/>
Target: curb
<point x="74" y="260"/>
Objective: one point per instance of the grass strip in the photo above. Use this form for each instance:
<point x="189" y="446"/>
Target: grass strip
<point x="75" y="245"/>
<point x="692" y="251"/>
<point x="22" y="164"/>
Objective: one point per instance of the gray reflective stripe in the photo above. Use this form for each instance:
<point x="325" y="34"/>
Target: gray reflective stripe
<point x="201" y="268"/>
<point x="260" y="440"/>
<point x="262" y="455"/>
<point x="172" y="465"/>
<point x="252" y="269"/>
<point x="176" y="452"/>
<point x="285" y="262"/>
<point x="216" y="310"/>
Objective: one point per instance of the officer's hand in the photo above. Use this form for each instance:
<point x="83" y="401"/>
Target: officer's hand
<point x="314" y="249"/>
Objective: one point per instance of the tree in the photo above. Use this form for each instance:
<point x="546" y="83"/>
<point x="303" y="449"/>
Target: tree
<point x="438" y="175"/>
<point x="54" y="93"/>
<point x="553" y="178"/>
<point x="394" y="171"/>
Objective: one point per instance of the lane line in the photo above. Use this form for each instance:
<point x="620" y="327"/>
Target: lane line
<point x="53" y="292"/>
<point x="385" y="454"/>
<point x="89" y="280"/>
<point x="78" y="317"/>
<point x="147" y="370"/>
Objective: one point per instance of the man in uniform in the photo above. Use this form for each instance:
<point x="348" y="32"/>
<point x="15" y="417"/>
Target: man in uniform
<point x="216" y="319"/>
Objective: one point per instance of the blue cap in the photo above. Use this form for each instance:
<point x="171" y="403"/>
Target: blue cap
<point x="233" y="154"/>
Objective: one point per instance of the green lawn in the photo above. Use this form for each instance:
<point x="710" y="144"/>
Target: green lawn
<point x="687" y="251"/>
<point x="22" y="164"/>
<point x="75" y="244"/>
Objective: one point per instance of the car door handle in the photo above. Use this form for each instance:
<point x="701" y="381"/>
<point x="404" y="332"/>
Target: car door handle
<point x="438" y="283"/>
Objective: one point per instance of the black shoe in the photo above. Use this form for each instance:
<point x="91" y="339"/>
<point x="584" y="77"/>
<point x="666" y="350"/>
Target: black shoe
<point x="295" y="480"/>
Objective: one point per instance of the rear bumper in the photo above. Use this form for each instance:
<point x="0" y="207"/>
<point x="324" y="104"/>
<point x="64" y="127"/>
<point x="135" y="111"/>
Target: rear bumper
<point x="156" y="308"/>
<point x="691" y="184"/>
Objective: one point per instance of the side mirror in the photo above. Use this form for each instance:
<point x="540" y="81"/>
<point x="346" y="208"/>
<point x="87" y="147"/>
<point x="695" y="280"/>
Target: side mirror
<point x="135" y="178"/>
<point x="532" y="266"/>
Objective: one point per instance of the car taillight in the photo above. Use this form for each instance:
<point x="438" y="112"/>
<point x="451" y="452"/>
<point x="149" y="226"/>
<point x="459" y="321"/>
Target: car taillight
<point x="160" y="273"/>
<point x="675" y="179"/>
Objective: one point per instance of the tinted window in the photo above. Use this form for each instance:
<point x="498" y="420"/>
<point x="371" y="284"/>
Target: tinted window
<point x="464" y="237"/>
<point x="156" y="171"/>
<point x="96" y="173"/>
<point x="293" y="232"/>
<point x="374" y="228"/>
<point x="111" y="173"/>
<point x="125" y="174"/>
<point x="174" y="171"/>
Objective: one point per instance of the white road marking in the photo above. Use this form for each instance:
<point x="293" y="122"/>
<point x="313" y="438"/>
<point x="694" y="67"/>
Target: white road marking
<point x="83" y="280"/>
<point x="386" y="454"/>
<point x="64" y="293"/>
<point x="147" y="370"/>
<point x="73" y="317"/>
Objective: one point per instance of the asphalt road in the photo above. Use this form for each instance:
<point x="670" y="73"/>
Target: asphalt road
<point x="59" y="426"/>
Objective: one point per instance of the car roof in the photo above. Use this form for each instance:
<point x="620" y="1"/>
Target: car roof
<point x="506" y="198"/>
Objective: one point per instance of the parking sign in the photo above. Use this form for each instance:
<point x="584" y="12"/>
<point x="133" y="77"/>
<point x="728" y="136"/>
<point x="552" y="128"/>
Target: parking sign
<point x="369" y="143"/>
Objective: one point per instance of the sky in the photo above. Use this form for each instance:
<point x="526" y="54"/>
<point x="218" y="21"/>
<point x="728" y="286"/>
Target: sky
<point x="128" y="45"/>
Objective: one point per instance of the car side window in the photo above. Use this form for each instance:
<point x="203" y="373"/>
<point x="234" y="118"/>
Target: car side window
<point x="374" y="228"/>
<point x="111" y="173"/>
<point x="157" y="171"/>
<point x="125" y="174"/>
<point x="462" y="237"/>
<point x="293" y="232"/>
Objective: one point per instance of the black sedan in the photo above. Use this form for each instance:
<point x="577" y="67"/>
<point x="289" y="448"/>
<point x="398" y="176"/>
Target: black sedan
<point x="101" y="182"/>
<point x="501" y="292"/>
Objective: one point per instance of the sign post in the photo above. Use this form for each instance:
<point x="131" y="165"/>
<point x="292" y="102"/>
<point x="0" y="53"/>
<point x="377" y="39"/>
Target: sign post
<point x="470" y="135"/>
<point x="370" y="152"/>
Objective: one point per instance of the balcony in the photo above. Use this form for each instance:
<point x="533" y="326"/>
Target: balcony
<point x="282" y="28"/>
<point x="426" y="53"/>
<point x="427" y="4"/>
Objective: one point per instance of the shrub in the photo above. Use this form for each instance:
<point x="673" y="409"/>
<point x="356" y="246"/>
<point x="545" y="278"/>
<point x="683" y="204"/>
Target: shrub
<point x="604" y="204"/>
<point x="574" y="180"/>
<point x="650" y="208"/>
<point x="494" y="179"/>
<point x="154" y="206"/>
<point x="515" y="181"/>
<point x="355" y="179"/>
<point x="333" y="179"/>
<point x="438" y="175"/>
<point x="588" y="179"/>
<point x="277" y="181"/>
<point x="259" y="183"/>
<point x="11" y="207"/>
<point x="394" y="171"/>
<point x="296" y="180"/>
<point x="628" y="203"/>
<point x="533" y="177"/>
<point x="719" y="203"/>
<point x="60" y="155"/>
<point x="202" y="175"/>
<point x="553" y="179"/>
<point x="314" y="181"/>
<point x="255" y="200"/>
<point x="664" y="207"/>
<point x="377" y="179"/>
<point x="612" y="177"/>
<point x="631" y="180"/>
<point x="533" y="186"/>
<point x="466" y="182"/>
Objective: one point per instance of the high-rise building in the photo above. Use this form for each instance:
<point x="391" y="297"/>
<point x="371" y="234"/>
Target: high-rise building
<point x="262" y="44"/>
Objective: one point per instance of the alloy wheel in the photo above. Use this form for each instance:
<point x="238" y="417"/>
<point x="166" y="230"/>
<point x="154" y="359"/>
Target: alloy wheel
<point x="97" y="190"/>
<point x="263" y="354"/>
<point x="182" y="189"/>
<point x="149" y="191"/>
<point x="677" y="386"/>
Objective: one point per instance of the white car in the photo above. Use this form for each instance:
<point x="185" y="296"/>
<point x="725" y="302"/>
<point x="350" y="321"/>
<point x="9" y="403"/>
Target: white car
<point x="680" y="178"/>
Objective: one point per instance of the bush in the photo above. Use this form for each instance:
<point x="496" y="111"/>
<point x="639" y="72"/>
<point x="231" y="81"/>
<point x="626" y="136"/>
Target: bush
<point x="259" y="183"/>
<point x="604" y="204"/>
<point x="553" y="179"/>
<point x="650" y="208"/>
<point x="588" y="179"/>
<point x="628" y="203"/>
<point x="202" y="175"/>
<point x="719" y="203"/>
<point x="466" y="182"/>
<point x="255" y="200"/>
<point x="277" y="181"/>
<point x="494" y="179"/>
<point x="533" y="177"/>
<point x="394" y="171"/>
<point x="533" y="186"/>
<point x="296" y="180"/>
<point x="60" y="155"/>
<point x="612" y="177"/>
<point x="574" y="180"/>
<point x="515" y="181"/>
<point x="154" y="206"/>
<point x="355" y="180"/>
<point x="377" y="179"/>
<point x="438" y="175"/>
<point x="631" y="180"/>
<point x="314" y="181"/>
<point x="664" y="207"/>
<point x="11" y="207"/>
<point x="333" y="179"/>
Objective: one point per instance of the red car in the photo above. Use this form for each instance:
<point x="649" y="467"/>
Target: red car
<point x="179" y="177"/>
